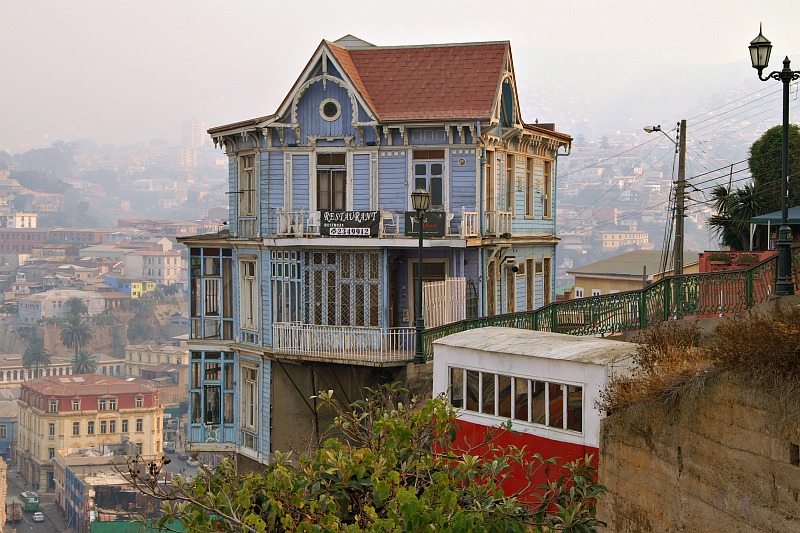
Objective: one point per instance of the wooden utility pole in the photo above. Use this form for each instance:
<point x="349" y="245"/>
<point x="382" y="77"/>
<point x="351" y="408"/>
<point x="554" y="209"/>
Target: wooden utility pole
<point x="680" y="202"/>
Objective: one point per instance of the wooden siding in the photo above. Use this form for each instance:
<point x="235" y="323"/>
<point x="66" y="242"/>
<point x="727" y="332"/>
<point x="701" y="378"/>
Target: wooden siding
<point x="462" y="183"/>
<point x="361" y="182"/>
<point x="265" y="282"/>
<point x="392" y="177"/>
<point x="310" y="119"/>
<point x="300" y="182"/>
<point x="265" y="407"/>
<point x="272" y="183"/>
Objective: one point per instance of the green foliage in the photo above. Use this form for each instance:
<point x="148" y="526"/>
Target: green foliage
<point x="765" y="164"/>
<point x="76" y="333"/>
<point x="76" y="306"/>
<point x="719" y="256"/>
<point x="35" y="357"/>
<point x="139" y="330"/>
<point x="84" y="363"/>
<point x="396" y="468"/>
<point x="734" y="209"/>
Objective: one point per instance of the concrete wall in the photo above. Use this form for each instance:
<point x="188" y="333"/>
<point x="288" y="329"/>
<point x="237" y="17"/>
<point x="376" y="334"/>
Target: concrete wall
<point x="728" y="463"/>
<point x="295" y="422"/>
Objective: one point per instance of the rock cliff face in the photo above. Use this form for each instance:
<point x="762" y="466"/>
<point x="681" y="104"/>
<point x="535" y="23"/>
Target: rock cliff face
<point x="730" y="462"/>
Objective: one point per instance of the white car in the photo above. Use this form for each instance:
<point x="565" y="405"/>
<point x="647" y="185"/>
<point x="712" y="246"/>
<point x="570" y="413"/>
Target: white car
<point x="38" y="517"/>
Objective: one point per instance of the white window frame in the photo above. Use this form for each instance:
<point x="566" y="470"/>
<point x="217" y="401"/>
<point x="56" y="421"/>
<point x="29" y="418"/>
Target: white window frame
<point x="250" y="392"/>
<point x="246" y="185"/>
<point x="248" y="294"/>
<point x="578" y="292"/>
<point x="596" y="292"/>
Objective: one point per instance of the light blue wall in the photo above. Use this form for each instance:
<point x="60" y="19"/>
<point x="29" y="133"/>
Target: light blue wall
<point x="361" y="189"/>
<point x="300" y="182"/>
<point x="463" y="185"/>
<point x="392" y="178"/>
<point x="272" y="190"/>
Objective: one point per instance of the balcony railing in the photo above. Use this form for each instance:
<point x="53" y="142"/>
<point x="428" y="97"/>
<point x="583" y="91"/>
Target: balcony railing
<point x="344" y="343"/>
<point x="247" y="227"/>
<point x="691" y="295"/>
<point x="307" y="223"/>
<point x="469" y="223"/>
<point x="498" y="223"/>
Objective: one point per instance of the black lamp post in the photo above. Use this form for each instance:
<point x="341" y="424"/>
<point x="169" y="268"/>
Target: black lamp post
<point x="420" y="201"/>
<point x="760" y="49"/>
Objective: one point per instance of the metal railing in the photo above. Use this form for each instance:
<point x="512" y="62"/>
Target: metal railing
<point x="344" y="343"/>
<point x="691" y="295"/>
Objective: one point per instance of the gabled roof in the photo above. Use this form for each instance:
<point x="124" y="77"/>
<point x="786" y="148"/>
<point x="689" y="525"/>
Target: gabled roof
<point x="631" y="264"/>
<point x="409" y="83"/>
<point x="448" y="81"/>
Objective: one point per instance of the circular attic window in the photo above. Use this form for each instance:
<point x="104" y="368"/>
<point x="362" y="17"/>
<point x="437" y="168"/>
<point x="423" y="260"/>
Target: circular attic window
<point x="330" y="109"/>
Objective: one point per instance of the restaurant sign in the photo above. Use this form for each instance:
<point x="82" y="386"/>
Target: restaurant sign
<point x="433" y="224"/>
<point x="349" y="223"/>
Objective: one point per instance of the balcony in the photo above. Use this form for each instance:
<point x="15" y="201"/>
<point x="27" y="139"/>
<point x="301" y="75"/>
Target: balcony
<point x="247" y="228"/>
<point x="498" y="223"/>
<point x="307" y="224"/>
<point x="344" y="344"/>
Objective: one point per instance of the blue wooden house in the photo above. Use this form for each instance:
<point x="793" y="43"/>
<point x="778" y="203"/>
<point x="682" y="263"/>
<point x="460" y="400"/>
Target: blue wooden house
<point x="311" y="287"/>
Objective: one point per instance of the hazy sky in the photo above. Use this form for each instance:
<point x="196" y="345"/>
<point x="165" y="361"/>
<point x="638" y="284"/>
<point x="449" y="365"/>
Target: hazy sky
<point x="126" y="71"/>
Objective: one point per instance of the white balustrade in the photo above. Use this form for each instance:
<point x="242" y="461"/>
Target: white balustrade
<point x="351" y="343"/>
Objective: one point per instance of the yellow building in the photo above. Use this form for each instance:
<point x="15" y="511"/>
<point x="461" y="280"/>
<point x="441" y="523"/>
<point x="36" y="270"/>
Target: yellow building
<point x="626" y="272"/>
<point x="83" y="411"/>
<point x="141" y="356"/>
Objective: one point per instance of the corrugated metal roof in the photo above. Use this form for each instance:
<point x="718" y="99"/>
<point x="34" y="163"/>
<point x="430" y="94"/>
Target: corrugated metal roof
<point x="541" y="344"/>
<point x="631" y="264"/>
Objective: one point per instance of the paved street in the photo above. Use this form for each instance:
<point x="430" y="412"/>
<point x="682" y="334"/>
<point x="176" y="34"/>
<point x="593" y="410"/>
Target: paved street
<point x="53" y="523"/>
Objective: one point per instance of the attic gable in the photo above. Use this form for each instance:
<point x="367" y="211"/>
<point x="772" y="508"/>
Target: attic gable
<point x="324" y="67"/>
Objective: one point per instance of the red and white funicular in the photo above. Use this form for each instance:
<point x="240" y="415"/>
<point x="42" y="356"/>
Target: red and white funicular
<point x="547" y="384"/>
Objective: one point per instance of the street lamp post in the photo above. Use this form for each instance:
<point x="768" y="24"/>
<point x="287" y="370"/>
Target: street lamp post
<point x="420" y="201"/>
<point x="760" y="49"/>
<point x="680" y="194"/>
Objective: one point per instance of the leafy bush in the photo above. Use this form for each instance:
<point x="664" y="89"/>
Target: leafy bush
<point x="396" y="469"/>
<point x="747" y="259"/>
<point x="719" y="256"/>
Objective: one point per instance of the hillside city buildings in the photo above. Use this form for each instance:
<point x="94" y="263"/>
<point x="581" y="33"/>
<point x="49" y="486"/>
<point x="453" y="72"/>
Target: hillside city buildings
<point x="83" y="411"/>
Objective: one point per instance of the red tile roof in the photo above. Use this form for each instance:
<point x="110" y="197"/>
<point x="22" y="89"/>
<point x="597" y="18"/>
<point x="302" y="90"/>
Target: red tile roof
<point x="85" y="385"/>
<point x="457" y="81"/>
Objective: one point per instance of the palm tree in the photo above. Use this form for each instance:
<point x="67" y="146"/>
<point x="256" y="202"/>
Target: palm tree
<point x="76" y="333"/>
<point x="36" y="356"/>
<point x="734" y="211"/>
<point x="77" y="306"/>
<point x="84" y="363"/>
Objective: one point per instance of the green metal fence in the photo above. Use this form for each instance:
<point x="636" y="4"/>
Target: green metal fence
<point x="690" y="295"/>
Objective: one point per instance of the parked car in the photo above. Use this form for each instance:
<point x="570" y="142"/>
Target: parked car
<point x="38" y="517"/>
<point x="183" y="456"/>
<point x="169" y="448"/>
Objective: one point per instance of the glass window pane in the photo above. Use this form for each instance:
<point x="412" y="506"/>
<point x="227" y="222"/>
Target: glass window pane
<point x="487" y="393"/>
<point x="436" y="169"/>
<point x="436" y="191"/>
<point x="420" y="169"/>
<point x="575" y="408"/>
<point x="504" y="396"/>
<point x="421" y="183"/>
<point x="228" y="403"/>
<point x="537" y="401"/>
<point x="212" y="404"/>
<point x="521" y="399"/>
<point x="556" y="391"/>
<point x="472" y="390"/>
<point x="197" y="408"/>
<point x="229" y="375"/>
<point x="457" y="387"/>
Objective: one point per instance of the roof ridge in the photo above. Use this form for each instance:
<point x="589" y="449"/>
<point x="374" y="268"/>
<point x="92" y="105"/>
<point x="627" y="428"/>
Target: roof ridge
<point x="431" y="45"/>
